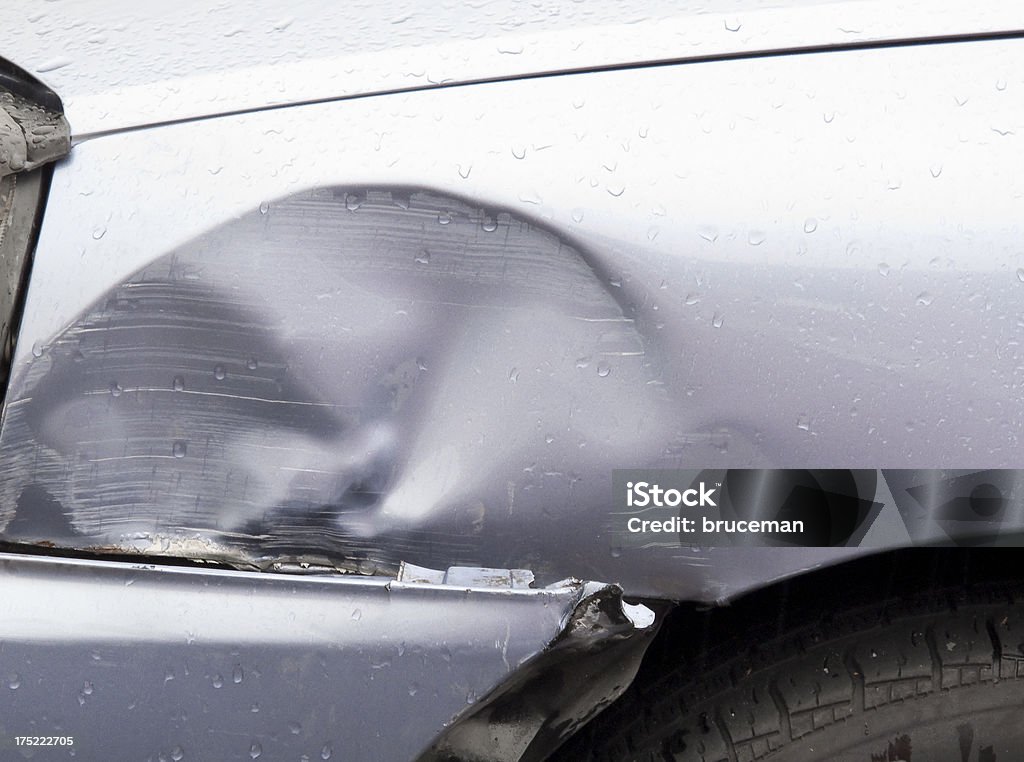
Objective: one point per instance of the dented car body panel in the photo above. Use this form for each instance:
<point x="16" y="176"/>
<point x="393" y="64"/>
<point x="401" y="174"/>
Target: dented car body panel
<point x="320" y="342"/>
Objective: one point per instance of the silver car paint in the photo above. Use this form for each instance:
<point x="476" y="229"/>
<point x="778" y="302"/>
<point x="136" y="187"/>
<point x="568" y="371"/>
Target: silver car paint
<point x="806" y="261"/>
<point x="119" y="64"/>
<point x="176" y="663"/>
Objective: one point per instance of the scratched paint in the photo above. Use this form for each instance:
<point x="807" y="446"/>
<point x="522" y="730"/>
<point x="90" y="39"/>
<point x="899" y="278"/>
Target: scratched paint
<point x="330" y="378"/>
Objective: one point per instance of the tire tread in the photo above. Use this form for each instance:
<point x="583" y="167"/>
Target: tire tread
<point x="747" y="698"/>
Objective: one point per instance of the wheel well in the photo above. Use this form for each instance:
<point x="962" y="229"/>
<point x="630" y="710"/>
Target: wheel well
<point x="695" y="633"/>
<point x="709" y="666"/>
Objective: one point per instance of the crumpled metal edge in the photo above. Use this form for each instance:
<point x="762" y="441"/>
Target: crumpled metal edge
<point x="30" y="135"/>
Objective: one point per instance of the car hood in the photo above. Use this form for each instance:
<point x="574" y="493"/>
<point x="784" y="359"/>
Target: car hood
<point x="121" y="65"/>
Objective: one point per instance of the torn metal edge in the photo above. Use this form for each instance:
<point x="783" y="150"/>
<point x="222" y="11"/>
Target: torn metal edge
<point x="30" y="135"/>
<point x="588" y="665"/>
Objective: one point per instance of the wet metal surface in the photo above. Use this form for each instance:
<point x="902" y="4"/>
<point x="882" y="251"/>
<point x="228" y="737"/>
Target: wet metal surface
<point x="120" y="67"/>
<point x="426" y="327"/>
<point x="149" y="662"/>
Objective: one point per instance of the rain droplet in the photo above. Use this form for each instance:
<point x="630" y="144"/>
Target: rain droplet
<point x="178" y="384"/>
<point x="464" y="171"/>
<point x="352" y="202"/>
<point x="513" y="375"/>
<point x="829" y="117"/>
<point x="218" y="681"/>
<point x="519" y="151"/>
<point x="810" y="225"/>
<point x="756" y="237"/>
<point x="37" y="349"/>
<point x="803" y="422"/>
<point x="616" y="190"/>
<point x="733" y="25"/>
<point x="443" y="218"/>
<point x="98" y="232"/>
<point x="1000" y="84"/>
<point x="252" y="363"/>
<point x="1020" y="274"/>
<point x="87" y="688"/>
<point x="357" y="615"/>
<point x="264" y="207"/>
<point x="883" y="269"/>
<point x="582" y="362"/>
<point x="692" y="299"/>
<point x="708" y="233"/>
<point x="717" y="321"/>
<point x="577" y="215"/>
<point x="14" y="682"/>
<point x="924" y="298"/>
<point x="53" y="64"/>
<point x="237" y="675"/>
<point x="652" y="233"/>
<point x="115" y="389"/>
<point x="490" y="224"/>
<point x="255" y="751"/>
<point x="218" y="373"/>
<point x="325" y="753"/>
<point x="177" y="754"/>
<point x="294" y="728"/>
<point x="180" y="448"/>
<point x="603" y="369"/>
<point x="423" y="258"/>
<point x="935" y="170"/>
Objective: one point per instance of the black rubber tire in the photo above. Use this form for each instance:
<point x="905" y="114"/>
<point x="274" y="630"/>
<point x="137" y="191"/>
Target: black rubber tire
<point x="936" y="677"/>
